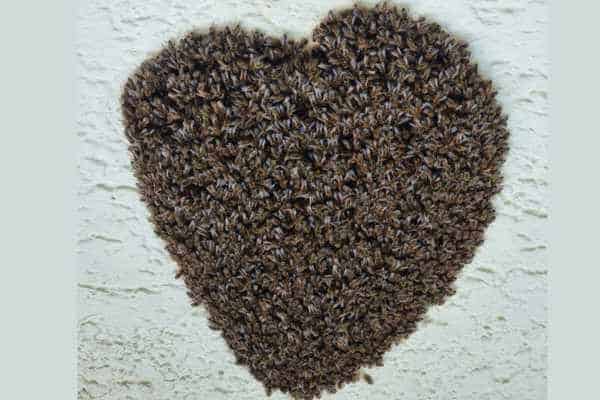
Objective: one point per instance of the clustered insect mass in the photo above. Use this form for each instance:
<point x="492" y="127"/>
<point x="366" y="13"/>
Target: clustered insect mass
<point x="317" y="196"/>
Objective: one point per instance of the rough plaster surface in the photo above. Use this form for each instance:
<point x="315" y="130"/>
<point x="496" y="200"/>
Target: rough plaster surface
<point x="138" y="336"/>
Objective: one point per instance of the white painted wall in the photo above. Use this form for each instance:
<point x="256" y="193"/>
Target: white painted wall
<point x="139" y="338"/>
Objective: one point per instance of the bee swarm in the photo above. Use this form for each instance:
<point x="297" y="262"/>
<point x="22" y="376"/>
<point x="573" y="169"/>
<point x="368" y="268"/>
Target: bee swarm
<point x="317" y="197"/>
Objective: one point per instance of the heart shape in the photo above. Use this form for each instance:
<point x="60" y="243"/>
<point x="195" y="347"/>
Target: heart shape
<point x="317" y="197"/>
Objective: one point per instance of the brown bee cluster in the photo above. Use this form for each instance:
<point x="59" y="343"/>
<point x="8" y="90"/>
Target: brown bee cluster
<point x="317" y="197"/>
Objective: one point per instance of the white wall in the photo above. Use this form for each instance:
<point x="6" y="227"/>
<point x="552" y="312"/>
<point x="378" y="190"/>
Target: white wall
<point x="139" y="338"/>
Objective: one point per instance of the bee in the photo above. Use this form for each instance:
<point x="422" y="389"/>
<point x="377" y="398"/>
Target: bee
<point x="317" y="198"/>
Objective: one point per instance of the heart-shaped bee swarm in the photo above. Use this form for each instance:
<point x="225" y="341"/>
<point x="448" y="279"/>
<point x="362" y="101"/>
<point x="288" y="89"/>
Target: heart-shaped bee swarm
<point x="317" y="197"/>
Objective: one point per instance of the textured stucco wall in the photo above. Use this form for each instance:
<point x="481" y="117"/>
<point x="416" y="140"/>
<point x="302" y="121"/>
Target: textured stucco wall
<point x="139" y="338"/>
